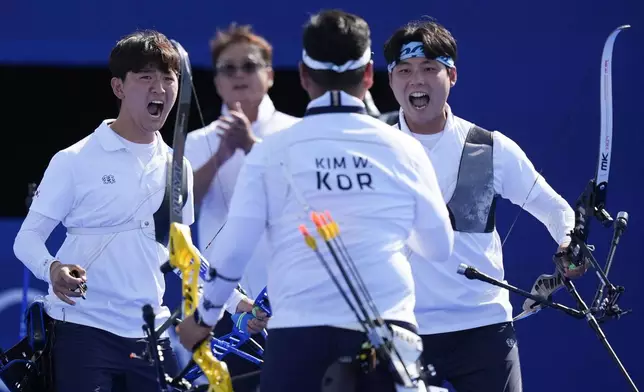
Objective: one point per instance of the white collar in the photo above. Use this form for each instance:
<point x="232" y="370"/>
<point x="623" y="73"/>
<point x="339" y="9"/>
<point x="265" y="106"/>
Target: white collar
<point x="328" y="99"/>
<point x="449" y="124"/>
<point x="110" y="141"/>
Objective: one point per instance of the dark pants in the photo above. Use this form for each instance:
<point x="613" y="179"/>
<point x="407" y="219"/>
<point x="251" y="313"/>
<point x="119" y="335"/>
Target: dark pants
<point x="88" y="359"/>
<point x="298" y="358"/>
<point x="484" y="359"/>
<point x="238" y="366"/>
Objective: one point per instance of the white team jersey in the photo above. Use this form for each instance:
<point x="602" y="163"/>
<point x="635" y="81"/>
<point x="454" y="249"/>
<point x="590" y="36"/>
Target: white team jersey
<point x="105" y="193"/>
<point x="369" y="176"/>
<point x="445" y="300"/>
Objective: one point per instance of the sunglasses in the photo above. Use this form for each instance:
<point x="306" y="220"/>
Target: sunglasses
<point x="248" y="67"/>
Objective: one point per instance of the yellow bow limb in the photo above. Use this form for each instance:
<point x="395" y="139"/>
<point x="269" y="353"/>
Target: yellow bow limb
<point x="185" y="257"/>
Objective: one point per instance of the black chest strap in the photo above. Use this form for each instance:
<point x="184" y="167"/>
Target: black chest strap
<point x="472" y="207"/>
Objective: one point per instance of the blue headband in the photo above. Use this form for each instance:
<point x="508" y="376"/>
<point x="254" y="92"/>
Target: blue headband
<point x="416" y="49"/>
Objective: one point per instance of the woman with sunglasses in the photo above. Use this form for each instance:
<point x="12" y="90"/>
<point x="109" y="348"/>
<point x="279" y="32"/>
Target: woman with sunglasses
<point x="243" y="75"/>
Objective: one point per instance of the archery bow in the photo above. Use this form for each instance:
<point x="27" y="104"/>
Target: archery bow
<point x="183" y="254"/>
<point x="230" y="342"/>
<point x="191" y="265"/>
<point x="591" y="203"/>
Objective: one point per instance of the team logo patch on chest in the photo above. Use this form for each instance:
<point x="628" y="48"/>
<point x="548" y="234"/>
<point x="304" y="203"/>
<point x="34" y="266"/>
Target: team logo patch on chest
<point x="108" y="179"/>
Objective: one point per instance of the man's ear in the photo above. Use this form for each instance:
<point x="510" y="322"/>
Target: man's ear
<point x="453" y="75"/>
<point x="304" y="77"/>
<point x="367" y="80"/>
<point x="271" y="77"/>
<point x="117" y="88"/>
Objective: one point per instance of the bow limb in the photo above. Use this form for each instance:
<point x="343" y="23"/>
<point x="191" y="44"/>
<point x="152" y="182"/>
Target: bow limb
<point x="187" y="91"/>
<point x="183" y="253"/>
<point x="606" y="105"/>
<point x="592" y="201"/>
<point x="605" y="145"/>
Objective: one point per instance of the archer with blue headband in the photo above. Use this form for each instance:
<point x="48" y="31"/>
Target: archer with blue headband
<point x="466" y="326"/>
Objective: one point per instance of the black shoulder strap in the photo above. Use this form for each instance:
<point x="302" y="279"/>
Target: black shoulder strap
<point x="162" y="216"/>
<point x="478" y="135"/>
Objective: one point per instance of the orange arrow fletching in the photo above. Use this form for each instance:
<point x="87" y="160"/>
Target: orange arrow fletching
<point x="308" y="238"/>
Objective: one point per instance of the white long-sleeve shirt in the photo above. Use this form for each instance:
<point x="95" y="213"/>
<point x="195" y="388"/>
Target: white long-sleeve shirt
<point x="29" y="245"/>
<point x="104" y="190"/>
<point x="377" y="184"/>
<point x="445" y="300"/>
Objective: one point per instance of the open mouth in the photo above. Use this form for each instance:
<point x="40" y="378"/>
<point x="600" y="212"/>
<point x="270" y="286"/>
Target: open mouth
<point x="155" y="108"/>
<point x="419" y="100"/>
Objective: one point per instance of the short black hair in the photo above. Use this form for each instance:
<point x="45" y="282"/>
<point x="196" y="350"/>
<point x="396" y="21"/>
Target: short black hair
<point x="336" y="37"/>
<point x="437" y="40"/>
<point x="142" y="49"/>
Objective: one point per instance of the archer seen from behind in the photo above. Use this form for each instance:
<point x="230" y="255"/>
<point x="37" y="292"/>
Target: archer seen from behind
<point x="377" y="182"/>
<point x="107" y="190"/>
<point x="243" y="75"/>
<point x="466" y="325"/>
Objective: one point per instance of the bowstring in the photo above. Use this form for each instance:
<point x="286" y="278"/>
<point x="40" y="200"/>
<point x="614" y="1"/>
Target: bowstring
<point x="210" y="150"/>
<point x="516" y="217"/>
<point x="567" y="132"/>
<point x="566" y="125"/>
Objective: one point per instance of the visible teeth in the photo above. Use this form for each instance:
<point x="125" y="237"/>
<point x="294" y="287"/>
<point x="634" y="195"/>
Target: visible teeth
<point x="418" y="94"/>
<point x="158" y="102"/>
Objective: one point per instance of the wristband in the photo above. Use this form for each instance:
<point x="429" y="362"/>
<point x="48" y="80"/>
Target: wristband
<point x="199" y="320"/>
